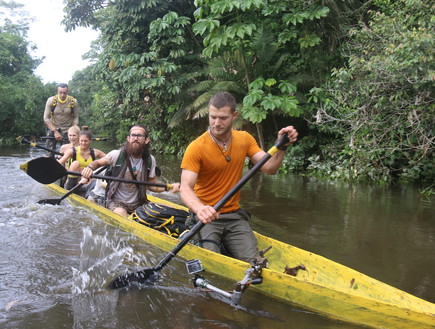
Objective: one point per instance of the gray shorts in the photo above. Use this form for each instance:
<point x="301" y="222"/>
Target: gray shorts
<point x="234" y="232"/>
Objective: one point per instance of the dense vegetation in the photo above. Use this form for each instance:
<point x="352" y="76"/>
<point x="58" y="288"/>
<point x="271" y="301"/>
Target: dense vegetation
<point x="20" y="110"/>
<point x="355" y="77"/>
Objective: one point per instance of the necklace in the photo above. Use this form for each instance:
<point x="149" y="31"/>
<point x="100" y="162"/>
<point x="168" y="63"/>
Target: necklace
<point x="225" y="148"/>
<point x="224" y="143"/>
<point x="135" y="164"/>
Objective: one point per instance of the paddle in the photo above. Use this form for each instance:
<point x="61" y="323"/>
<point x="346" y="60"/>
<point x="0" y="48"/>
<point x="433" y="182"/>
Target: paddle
<point x="47" y="170"/>
<point x="75" y="188"/>
<point x="23" y="140"/>
<point x="150" y="274"/>
<point x="93" y="138"/>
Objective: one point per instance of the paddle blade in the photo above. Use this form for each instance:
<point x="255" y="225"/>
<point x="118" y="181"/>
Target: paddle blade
<point x="44" y="170"/>
<point x="54" y="202"/>
<point x="145" y="276"/>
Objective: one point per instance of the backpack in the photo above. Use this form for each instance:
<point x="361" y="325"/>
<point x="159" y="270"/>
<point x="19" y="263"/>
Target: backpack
<point x="162" y="218"/>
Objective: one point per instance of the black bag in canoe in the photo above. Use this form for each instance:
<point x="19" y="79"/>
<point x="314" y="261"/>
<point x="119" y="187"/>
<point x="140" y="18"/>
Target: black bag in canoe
<point x="162" y="218"/>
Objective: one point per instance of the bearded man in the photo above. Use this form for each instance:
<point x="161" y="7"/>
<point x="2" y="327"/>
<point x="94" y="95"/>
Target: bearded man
<point x="133" y="161"/>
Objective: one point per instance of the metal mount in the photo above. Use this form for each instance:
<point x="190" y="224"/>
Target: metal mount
<point x="252" y="276"/>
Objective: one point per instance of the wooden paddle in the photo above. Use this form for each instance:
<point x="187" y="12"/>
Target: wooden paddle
<point x="23" y="140"/>
<point x="75" y="188"/>
<point x="151" y="274"/>
<point x="47" y="170"/>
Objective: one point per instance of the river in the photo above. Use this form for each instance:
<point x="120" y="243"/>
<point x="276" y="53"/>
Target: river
<point x="55" y="259"/>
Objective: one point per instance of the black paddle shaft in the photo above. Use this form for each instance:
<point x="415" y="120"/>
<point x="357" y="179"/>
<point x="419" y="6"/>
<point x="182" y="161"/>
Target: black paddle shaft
<point x="75" y="188"/>
<point x="25" y="140"/>
<point x="47" y="170"/>
<point x="147" y="273"/>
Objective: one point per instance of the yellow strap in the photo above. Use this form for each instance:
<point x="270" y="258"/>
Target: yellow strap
<point x="136" y="218"/>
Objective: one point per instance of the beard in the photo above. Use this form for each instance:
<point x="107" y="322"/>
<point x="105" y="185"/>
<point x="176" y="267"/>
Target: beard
<point x="136" y="149"/>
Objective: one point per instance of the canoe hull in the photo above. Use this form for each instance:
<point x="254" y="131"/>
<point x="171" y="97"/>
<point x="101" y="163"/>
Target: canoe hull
<point x="325" y="287"/>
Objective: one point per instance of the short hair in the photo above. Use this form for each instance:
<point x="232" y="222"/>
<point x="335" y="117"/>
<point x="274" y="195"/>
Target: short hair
<point x="62" y="85"/>
<point x="223" y="99"/>
<point x="138" y="125"/>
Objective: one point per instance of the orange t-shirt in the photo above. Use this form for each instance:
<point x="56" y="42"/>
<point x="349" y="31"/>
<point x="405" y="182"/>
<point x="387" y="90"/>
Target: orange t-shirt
<point x="216" y="176"/>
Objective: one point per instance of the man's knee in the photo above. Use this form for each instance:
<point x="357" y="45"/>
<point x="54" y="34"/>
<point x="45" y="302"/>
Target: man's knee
<point x="120" y="211"/>
<point x="241" y="241"/>
<point x="210" y="237"/>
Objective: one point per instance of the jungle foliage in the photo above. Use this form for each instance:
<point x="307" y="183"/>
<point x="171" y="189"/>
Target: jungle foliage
<point x="354" y="77"/>
<point x="380" y="105"/>
<point x="19" y="110"/>
<point x="22" y="93"/>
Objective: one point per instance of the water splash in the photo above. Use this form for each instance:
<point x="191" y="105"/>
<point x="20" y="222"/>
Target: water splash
<point x="99" y="258"/>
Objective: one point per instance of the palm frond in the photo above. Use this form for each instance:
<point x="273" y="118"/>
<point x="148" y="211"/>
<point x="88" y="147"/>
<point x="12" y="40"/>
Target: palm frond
<point x="178" y="118"/>
<point x="197" y="109"/>
<point x="201" y="86"/>
<point x="201" y="101"/>
<point x="201" y="112"/>
<point x="264" y="44"/>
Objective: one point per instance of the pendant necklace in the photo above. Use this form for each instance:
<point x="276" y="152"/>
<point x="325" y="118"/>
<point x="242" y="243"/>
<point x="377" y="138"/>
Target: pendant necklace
<point x="135" y="163"/>
<point x="215" y="139"/>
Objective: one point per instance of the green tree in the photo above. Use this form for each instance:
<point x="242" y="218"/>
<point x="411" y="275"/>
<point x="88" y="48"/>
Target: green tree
<point x="20" y="110"/>
<point x="380" y="108"/>
<point x="280" y="50"/>
<point x="147" y="54"/>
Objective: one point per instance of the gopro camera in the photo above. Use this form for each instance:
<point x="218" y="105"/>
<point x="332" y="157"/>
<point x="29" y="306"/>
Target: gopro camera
<point x="194" y="266"/>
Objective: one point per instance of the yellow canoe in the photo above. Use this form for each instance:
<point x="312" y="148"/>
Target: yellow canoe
<point x="326" y="287"/>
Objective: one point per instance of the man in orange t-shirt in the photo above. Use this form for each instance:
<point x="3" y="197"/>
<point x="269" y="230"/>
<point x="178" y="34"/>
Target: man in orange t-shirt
<point x="211" y="166"/>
